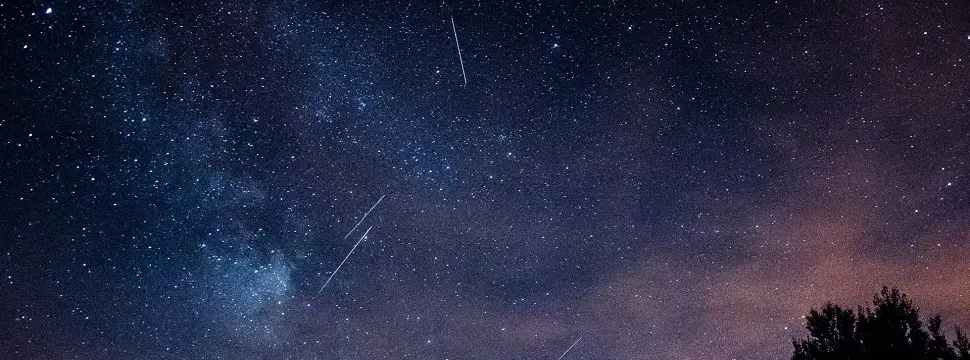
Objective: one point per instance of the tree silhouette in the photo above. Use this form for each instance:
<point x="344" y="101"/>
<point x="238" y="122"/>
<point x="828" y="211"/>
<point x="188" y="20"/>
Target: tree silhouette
<point x="962" y="345"/>
<point x="890" y="330"/>
<point x="893" y="329"/>
<point x="833" y="335"/>
<point x="937" y="347"/>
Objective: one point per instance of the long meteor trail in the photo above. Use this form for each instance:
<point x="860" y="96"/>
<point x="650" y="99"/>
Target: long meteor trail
<point x="462" y="62"/>
<point x="345" y="260"/>
<point x="570" y="348"/>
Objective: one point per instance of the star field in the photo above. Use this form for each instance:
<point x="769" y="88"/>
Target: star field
<point x="597" y="180"/>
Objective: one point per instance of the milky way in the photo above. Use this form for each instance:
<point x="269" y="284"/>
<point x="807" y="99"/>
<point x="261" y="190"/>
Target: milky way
<point x="662" y="181"/>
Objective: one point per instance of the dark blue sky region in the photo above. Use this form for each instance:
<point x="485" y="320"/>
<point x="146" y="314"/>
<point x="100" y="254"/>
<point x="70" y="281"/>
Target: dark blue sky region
<point x="675" y="180"/>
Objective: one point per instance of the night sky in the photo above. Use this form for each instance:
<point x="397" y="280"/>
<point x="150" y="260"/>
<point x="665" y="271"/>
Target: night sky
<point x="657" y="181"/>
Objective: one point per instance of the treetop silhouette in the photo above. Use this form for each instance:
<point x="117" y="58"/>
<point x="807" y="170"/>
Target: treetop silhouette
<point x="890" y="330"/>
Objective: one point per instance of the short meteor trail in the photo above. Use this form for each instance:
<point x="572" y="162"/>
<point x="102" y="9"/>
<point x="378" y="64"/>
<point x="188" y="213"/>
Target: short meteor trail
<point x="570" y="348"/>
<point x="462" y="62"/>
<point x="363" y="217"/>
<point x="345" y="260"/>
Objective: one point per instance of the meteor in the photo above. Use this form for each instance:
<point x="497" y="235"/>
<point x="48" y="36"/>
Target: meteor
<point x="347" y="257"/>
<point x="570" y="348"/>
<point x="462" y="62"/>
<point x="364" y="217"/>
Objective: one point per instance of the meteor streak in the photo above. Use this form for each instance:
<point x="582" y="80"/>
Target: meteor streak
<point x="364" y="217"/>
<point x="570" y="348"/>
<point x="462" y="62"/>
<point x="347" y="257"/>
